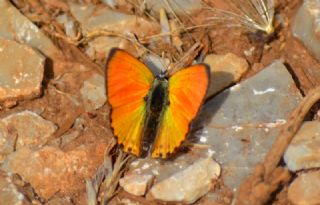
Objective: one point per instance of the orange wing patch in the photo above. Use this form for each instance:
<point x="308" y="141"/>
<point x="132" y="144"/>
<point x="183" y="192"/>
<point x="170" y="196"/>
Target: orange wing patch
<point x="128" y="82"/>
<point x="187" y="89"/>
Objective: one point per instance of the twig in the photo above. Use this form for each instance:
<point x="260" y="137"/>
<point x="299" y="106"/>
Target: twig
<point x="264" y="180"/>
<point x="164" y="23"/>
<point x="187" y="58"/>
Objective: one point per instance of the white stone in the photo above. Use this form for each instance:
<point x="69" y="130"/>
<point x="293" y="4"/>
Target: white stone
<point x="28" y="128"/>
<point x="97" y="18"/>
<point x="189" y="184"/>
<point x="15" y="26"/>
<point x="304" y="150"/>
<point x="9" y="193"/>
<point x="225" y="70"/>
<point x="93" y="92"/>
<point x="306" y="25"/>
<point x="305" y="189"/>
<point x="179" y="7"/>
<point x="21" y="71"/>
<point x="136" y="184"/>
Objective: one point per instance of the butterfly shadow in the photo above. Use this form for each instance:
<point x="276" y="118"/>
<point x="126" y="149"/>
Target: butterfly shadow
<point x="211" y="105"/>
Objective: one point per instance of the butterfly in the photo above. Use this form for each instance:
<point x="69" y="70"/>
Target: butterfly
<point x="152" y="114"/>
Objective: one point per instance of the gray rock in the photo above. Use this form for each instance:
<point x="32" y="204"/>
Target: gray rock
<point x="93" y="92"/>
<point x="225" y="70"/>
<point x="243" y="121"/>
<point x="304" y="150"/>
<point x="15" y="26"/>
<point x="189" y="184"/>
<point x="306" y="26"/>
<point x="305" y="189"/>
<point x="27" y="129"/>
<point x="9" y="193"/>
<point x="21" y="71"/>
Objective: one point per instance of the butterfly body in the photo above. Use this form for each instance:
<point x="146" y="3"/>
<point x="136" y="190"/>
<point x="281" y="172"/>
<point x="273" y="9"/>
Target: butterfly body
<point x="152" y="114"/>
<point x="157" y="100"/>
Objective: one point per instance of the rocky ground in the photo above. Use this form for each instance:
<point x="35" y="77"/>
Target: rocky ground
<point x="56" y="145"/>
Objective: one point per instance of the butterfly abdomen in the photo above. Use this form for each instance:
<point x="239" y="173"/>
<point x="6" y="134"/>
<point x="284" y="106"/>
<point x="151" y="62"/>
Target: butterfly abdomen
<point x="157" y="100"/>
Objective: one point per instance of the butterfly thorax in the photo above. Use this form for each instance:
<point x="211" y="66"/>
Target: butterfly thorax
<point x="157" y="101"/>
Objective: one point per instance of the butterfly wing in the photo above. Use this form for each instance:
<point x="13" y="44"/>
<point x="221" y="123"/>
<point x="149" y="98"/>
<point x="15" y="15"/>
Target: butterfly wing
<point x="187" y="89"/>
<point x="128" y="82"/>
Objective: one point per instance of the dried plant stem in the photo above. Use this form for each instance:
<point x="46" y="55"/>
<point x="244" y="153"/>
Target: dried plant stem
<point x="186" y="59"/>
<point x="165" y="27"/>
<point x="112" y="180"/>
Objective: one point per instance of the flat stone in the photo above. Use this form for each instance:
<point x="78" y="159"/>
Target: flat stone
<point x="304" y="150"/>
<point x="305" y="189"/>
<point x="189" y="184"/>
<point x="180" y="7"/>
<point x="27" y="129"/>
<point x="225" y="70"/>
<point x="136" y="184"/>
<point x="99" y="48"/>
<point x="21" y="71"/>
<point x="15" y="26"/>
<point x="9" y="193"/>
<point x="306" y="26"/>
<point x="50" y="170"/>
<point x="242" y="122"/>
<point x="93" y="92"/>
<point x="96" y="18"/>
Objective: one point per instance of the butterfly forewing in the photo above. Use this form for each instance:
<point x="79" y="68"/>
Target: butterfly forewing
<point x="187" y="89"/>
<point x="128" y="83"/>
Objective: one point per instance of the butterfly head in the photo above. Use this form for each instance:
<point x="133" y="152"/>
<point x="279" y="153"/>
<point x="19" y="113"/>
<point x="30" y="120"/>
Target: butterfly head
<point x="163" y="75"/>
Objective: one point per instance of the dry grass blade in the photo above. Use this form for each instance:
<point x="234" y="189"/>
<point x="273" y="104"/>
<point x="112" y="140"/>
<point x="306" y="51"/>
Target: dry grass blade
<point x="254" y="15"/>
<point x="92" y="185"/>
<point x="111" y="181"/>
<point x="102" y="187"/>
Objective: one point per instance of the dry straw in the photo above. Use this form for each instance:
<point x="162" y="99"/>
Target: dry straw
<point x="253" y="15"/>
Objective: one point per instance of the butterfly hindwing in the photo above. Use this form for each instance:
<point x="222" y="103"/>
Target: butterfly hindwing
<point x="186" y="91"/>
<point x="128" y="83"/>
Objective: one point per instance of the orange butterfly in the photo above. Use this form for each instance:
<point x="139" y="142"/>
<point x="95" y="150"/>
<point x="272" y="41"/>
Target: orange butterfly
<point x="152" y="113"/>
